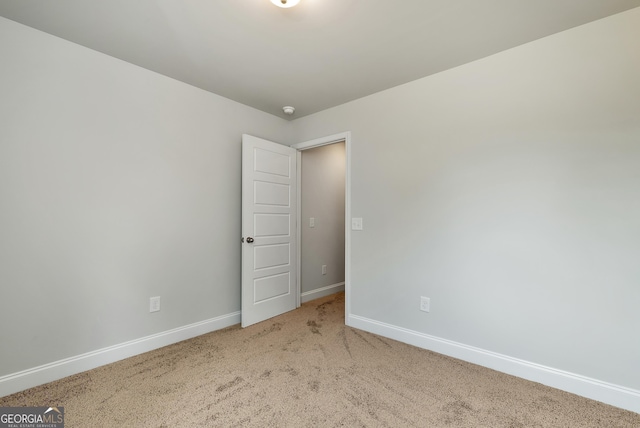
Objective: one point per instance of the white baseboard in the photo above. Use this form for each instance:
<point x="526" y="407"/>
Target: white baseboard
<point x="321" y="292"/>
<point x="29" y="378"/>
<point x="615" y="395"/>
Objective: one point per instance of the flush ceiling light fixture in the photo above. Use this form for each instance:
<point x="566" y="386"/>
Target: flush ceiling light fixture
<point x="285" y="3"/>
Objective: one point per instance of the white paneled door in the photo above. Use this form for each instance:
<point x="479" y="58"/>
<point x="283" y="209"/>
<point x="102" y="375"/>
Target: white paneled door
<point x="269" y="206"/>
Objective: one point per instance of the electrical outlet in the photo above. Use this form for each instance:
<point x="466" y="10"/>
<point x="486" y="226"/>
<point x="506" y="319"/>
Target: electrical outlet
<point x="154" y="304"/>
<point x="324" y="269"/>
<point x="312" y="222"/>
<point x="425" y="304"/>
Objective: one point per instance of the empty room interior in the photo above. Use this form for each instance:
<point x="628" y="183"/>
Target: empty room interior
<point x="460" y="179"/>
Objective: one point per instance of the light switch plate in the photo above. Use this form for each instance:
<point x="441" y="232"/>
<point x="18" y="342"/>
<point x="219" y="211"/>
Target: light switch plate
<point x="312" y="222"/>
<point x="356" y="223"/>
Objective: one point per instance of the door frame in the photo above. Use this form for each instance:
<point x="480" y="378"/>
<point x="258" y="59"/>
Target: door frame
<point x="318" y="142"/>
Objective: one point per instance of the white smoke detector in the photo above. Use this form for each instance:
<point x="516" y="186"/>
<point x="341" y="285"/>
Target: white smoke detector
<point x="288" y="110"/>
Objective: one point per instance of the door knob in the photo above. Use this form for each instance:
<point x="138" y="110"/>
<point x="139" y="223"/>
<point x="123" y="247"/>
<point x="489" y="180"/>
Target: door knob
<point x="250" y="240"/>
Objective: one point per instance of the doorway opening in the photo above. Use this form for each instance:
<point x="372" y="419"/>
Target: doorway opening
<point x="322" y="221"/>
<point x="323" y="218"/>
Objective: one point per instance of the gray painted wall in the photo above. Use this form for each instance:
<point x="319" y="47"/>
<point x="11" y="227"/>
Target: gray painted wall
<point x="116" y="184"/>
<point x="508" y="191"/>
<point x="323" y="181"/>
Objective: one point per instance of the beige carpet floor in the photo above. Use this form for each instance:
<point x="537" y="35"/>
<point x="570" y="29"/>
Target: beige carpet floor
<point x="306" y="369"/>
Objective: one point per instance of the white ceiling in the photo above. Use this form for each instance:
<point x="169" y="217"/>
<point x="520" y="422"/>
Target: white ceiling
<point x="320" y="54"/>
